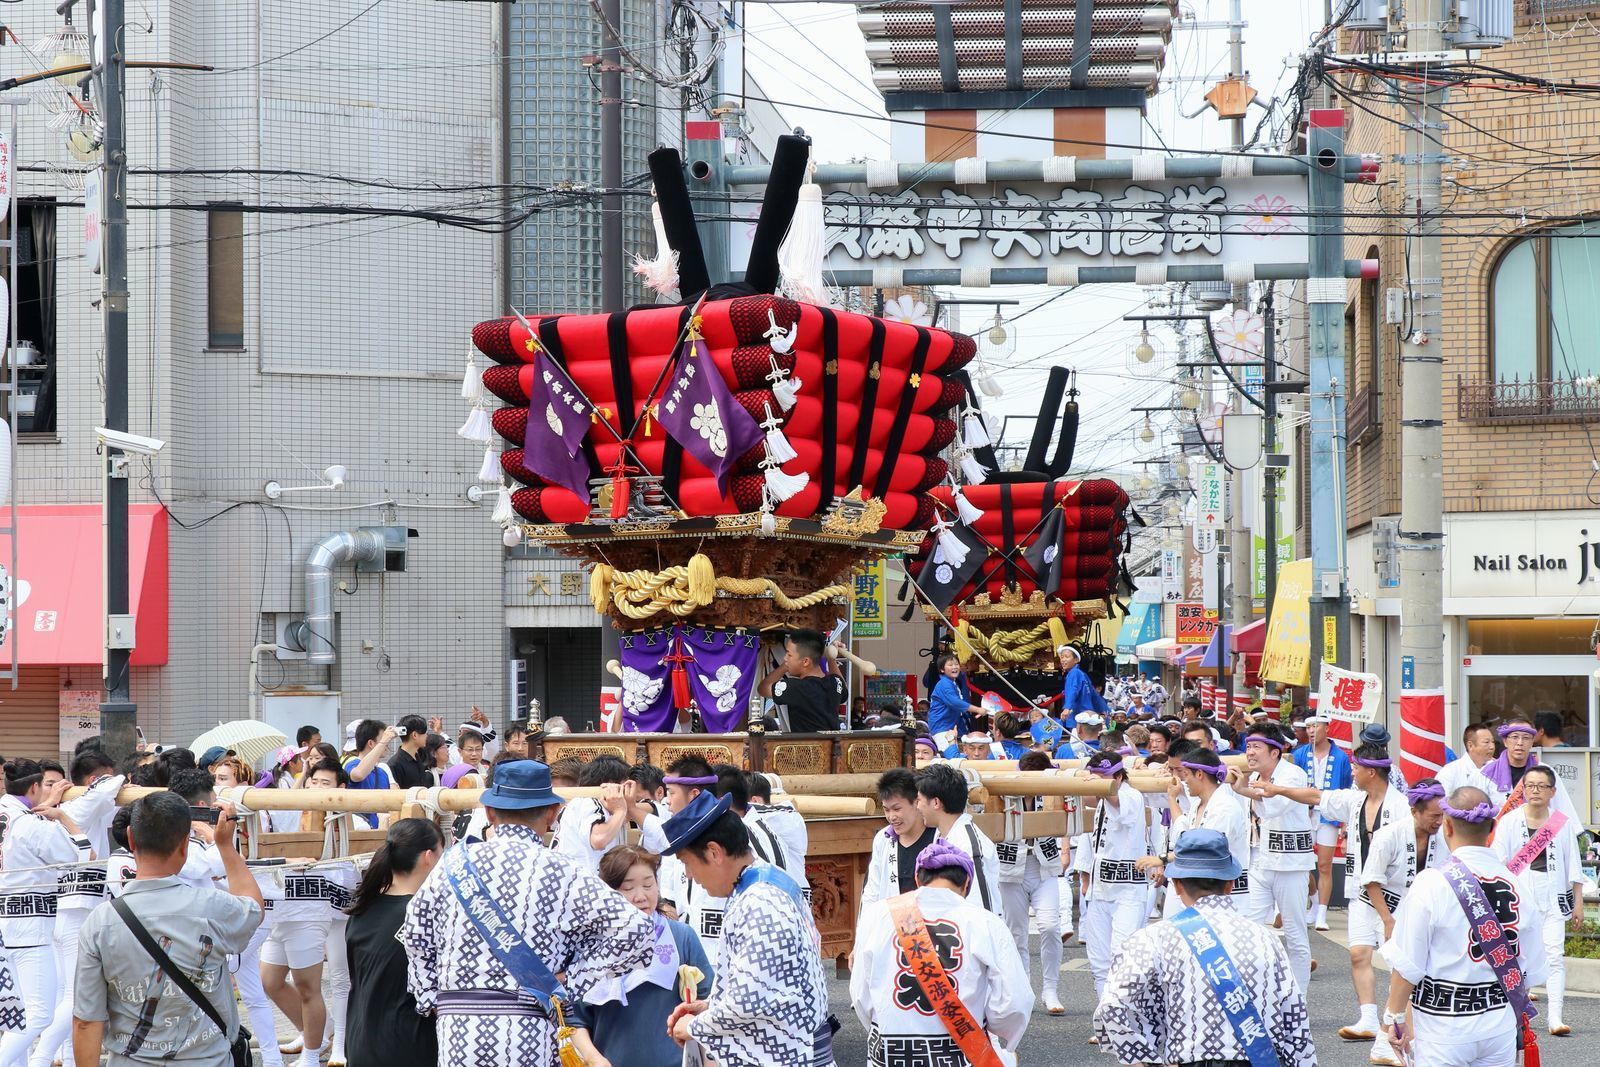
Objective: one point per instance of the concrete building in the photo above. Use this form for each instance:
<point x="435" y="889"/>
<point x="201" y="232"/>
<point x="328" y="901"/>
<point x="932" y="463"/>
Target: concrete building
<point x="274" y="333"/>
<point x="1521" y="333"/>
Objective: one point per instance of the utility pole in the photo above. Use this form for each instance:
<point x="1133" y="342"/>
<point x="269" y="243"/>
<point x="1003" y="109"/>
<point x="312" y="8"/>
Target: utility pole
<point x="118" y="713"/>
<point x="611" y="267"/>
<point x="1236" y="64"/>
<point x="1421" y="540"/>
<point x="1269" y="441"/>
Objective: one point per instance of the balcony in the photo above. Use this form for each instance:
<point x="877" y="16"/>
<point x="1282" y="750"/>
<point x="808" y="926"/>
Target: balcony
<point x="1516" y="401"/>
<point x="1363" y="416"/>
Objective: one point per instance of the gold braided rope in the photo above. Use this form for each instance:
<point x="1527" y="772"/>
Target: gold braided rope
<point x="682" y="590"/>
<point x="1007" y="648"/>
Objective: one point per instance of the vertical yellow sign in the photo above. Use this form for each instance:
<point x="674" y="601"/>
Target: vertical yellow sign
<point x="868" y="602"/>
<point x="1330" y="639"/>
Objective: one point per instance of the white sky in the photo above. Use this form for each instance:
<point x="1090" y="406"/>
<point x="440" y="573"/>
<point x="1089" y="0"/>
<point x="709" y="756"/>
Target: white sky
<point x="813" y="53"/>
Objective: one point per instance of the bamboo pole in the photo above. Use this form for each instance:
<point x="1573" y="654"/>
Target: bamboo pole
<point x="381" y="801"/>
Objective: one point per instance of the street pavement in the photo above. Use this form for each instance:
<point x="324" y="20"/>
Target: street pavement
<point x="1063" y="1039"/>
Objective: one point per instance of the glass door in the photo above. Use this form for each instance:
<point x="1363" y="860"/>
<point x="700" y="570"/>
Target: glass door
<point x="1496" y="687"/>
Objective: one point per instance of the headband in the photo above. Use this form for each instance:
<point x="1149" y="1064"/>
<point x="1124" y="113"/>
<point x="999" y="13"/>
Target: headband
<point x="1375" y="764"/>
<point x="1127" y="750"/>
<point x="1516" y="728"/>
<point x="1265" y="740"/>
<point x="678" y="779"/>
<point x="473" y="728"/>
<point x="926" y="742"/>
<point x="1484" y="812"/>
<point x="943" y="854"/>
<point x="1421" y="794"/>
<point x="1219" y="772"/>
<point x="1106" y="768"/>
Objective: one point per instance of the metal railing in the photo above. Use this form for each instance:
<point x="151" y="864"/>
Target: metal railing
<point x="1363" y="415"/>
<point x="1487" y="400"/>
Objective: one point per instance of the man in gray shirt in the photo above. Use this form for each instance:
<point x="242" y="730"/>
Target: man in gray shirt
<point x="123" y="1004"/>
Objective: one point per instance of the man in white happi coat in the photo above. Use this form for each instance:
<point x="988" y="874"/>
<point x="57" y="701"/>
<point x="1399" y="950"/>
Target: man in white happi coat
<point x="1505" y="772"/>
<point x="1030" y="870"/>
<point x="1447" y="1006"/>
<point x="894" y="995"/>
<point x="1533" y="841"/>
<point x="1281" y="842"/>
<point x="892" y="868"/>
<point x="82" y="888"/>
<point x="33" y="835"/>
<point x="1198" y="776"/>
<point x="768" y="1002"/>
<point x="772" y="837"/>
<point x="1363" y="810"/>
<point x="1477" y="741"/>
<point x="1206" y="985"/>
<point x="1401" y="849"/>
<point x="782" y="825"/>
<point x="523" y="894"/>
<point x="1116" y="902"/>
<point x="942" y="799"/>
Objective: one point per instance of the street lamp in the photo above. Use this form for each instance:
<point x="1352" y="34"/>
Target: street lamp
<point x="1183" y="467"/>
<point x="1189" y="399"/>
<point x="1143" y="351"/>
<point x="1147" y="433"/>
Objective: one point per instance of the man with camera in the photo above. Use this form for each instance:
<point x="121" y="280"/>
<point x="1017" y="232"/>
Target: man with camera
<point x="130" y="1003"/>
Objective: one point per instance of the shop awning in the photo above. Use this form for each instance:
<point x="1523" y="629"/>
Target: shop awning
<point x="1250" y="639"/>
<point x="1142" y="624"/>
<point x="1204" y="662"/>
<point x="1158" y="650"/>
<point x="60" y="580"/>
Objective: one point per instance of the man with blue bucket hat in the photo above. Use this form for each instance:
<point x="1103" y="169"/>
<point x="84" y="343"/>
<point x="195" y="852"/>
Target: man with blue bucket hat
<point x="1208" y="987"/>
<point x="485" y="934"/>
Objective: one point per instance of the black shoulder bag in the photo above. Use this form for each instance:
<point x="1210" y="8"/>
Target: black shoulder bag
<point x="239" y="1050"/>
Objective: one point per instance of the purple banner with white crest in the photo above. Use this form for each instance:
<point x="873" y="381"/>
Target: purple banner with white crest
<point x="646" y="683"/>
<point x="722" y="675"/>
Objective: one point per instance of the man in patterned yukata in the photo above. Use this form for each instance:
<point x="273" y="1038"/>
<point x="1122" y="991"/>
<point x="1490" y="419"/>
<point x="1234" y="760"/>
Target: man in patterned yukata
<point x="552" y="904"/>
<point x="768" y="1004"/>
<point x="1194" y="989"/>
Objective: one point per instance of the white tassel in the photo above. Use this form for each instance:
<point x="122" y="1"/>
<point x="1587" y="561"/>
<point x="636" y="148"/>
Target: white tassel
<point x="950" y="547"/>
<point x="785" y="390"/>
<point x="800" y="255"/>
<point x="986" y="382"/>
<point x="490" y="471"/>
<point x="660" y="273"/>
<point x="783" y="486"/>
<point x="973" y="471"/>
<point x="477" y="428"/>
<point x="472" y="382"/>
<point x="769" y="521"/>
<point x="779" y="450"/>
<point x="502" y="507"/>
<point x="974" y="434"/>
<point x="969" y="512"/>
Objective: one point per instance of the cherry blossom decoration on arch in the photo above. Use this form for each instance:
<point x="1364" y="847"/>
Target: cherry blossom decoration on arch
<point x="1211" y="423"/>
<point x="909" y="310"/>
<point x="1241" y="335"/>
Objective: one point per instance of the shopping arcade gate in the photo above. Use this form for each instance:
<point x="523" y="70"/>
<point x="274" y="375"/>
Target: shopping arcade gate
<point x="1147" y="220"/>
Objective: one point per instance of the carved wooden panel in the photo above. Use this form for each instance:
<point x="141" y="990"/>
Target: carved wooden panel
<point x="799" y="757"/>
<point x="586" y="750"/>
<point x="872" y="757"/>
<point x="835" y="891"/>
<point x="663" y="753"/>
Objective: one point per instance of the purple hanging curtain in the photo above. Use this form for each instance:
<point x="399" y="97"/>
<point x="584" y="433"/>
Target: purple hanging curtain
<point x="722" y="676"/>
<point x="646" y="683"/>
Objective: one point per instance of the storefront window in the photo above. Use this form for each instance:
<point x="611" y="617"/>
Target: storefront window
<point x="1498" y="697"/>
<point x="1529" y="637"/>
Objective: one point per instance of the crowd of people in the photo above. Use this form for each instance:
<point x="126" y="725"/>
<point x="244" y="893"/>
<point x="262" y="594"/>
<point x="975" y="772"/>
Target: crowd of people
<point x="663" y="917"/>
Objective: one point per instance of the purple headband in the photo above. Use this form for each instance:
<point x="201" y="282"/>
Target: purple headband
<point x="1265" y="740"/>
<point x="925" y="742"/>
<point x="1375" y="764"/>
<point x="943" y="854"/>
<point x="1421" y="794"/>
<point x="1484" y="812"/>
<point x="1127" y="750"/>
<point x="678" y="779"/>
<point x="1219" y="773"/>
<point x="1105" y="768"/>
<point x="1516" y="728"/>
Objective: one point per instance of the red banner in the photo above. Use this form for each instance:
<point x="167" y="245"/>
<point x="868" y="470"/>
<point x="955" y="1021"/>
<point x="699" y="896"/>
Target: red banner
<point x="1421" y="733"/>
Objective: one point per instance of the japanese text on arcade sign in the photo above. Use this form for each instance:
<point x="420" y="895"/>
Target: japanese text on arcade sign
<point x="867" y="601"/>
<point x="1257" y="219"/>
<point x="1195" y="624"/>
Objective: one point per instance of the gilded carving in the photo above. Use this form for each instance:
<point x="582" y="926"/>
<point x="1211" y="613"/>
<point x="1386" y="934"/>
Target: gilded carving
<point x="871" y="757"/>
<point x="555" y="750"/>
<point x="662" y="755"/>
<point x="798" y="757"/>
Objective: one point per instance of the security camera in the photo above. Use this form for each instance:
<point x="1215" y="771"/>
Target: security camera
<point x="129" y="442"/>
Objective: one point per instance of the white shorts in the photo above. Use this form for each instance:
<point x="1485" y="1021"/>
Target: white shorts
<point x="1327" y="833"/>
<point x="1365" y="929"/>
<point x="296" y="944"/>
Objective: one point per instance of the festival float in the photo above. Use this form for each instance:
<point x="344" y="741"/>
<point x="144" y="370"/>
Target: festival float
<point x="723" y="464"/>
<point x="1024" y="561"/>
